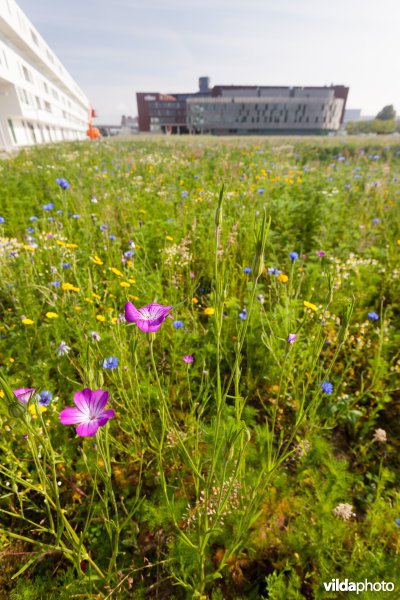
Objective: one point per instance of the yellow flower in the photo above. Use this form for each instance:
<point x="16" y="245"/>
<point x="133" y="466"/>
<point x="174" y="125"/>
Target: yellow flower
<point x="132" y="297"/>
<point x="116" y="272"/>
<point x="11" y="359"/>
<point x="96" y="260"/>
<point x="89" y="300"/>
<point x="124" y="284"/>
<point x="132" y="281"/>
<point x="71" y="246"/>
<point x="70" y="287"/>
<point x="78" y="308"/>
<point x="114" y="320"/>
<point x="60" y="243"/>
<point x="27" y="321"/>
<point x="195" y="301"/>
<point x="283" y="278"/>
<point x="26" y="247"/>
<point x="95" y="296"/>
<point x="33" y="411"/>
<point x="52" y="315"/>
<point x="1" y="394"/>
<point x="171" y="239"/>
<point x="310" y="305"/>
<point x="100" y="318"/>
<point x="209" y="310"/>
<point x="398" y="242"/>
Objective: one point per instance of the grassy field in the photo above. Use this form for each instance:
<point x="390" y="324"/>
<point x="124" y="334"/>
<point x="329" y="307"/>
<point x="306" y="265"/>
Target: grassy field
<point x="199" y="369"/>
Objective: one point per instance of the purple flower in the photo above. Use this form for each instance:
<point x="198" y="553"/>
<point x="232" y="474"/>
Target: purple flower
<point x="56" y="283"/>
<point x="273" y="271"/>
<point x="247" y="270"/>
<point x="327" y="387"/>
<point x="110" y="363"/>
<point x="95" y="336"/>
<point x="24" y="394"/>
<point x="373" y="316"/>
<point x="294" y="256"/>
<point x="149" y="318"/>
<point x="62" y="349"/>
<point x="291" y="338"/>
<point x="63" y="183"/>
<point x="188" y="358"/>
<point x="90" y="413"/>
<point x="243" y="314"/>
<point x="112" y="238"/>
<point x="103" y="227"/>
<point x="376" y="221"/>
<point x="320" y="253"/>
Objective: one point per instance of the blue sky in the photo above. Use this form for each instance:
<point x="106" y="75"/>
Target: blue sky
<point x="114" y="48"/>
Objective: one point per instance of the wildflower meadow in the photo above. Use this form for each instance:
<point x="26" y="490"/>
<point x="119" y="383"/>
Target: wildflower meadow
<point x="199" y="369"/>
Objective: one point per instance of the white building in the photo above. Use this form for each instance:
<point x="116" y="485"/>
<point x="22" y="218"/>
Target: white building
<point x="39" y="100"/>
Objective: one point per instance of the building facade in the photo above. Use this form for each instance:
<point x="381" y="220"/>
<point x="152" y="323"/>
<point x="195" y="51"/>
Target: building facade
<point x="247" y="110"/>
<point x="39" y="100"/>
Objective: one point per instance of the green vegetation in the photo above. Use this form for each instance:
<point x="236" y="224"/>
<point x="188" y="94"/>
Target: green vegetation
<point x="266" y="466"/>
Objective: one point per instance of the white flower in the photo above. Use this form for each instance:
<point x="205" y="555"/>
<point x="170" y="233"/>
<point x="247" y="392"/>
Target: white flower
<point x="62" y="349"/>
<point x="344" y="511"/>
<point x="380" y="435"/>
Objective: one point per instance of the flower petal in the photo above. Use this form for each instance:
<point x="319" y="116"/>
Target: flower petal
<point x="97" y="402"/>
<point x="150" y="326"/>
<point x="88" y="429"/>
<point x="131" y="313"/>
<point x="105" y="415"/>
<point x="82" y="400"/>
<point x="71" y="416"/>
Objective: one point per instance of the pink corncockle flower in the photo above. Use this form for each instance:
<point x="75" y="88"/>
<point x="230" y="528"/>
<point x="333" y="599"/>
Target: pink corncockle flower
<point x="24" y="394"/>
<point x="149" y="318"/>
<point x="188" y="358"/>
<point x="89" y="413"/>
<point x="320" y="253"/>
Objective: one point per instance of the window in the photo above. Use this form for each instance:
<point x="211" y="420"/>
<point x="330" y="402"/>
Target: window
<point x="47" y="106"/>
<point x="27" y="74"/>
<point x="11" y="126"/>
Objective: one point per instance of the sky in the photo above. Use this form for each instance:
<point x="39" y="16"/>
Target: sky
<point x="115" y="48"/>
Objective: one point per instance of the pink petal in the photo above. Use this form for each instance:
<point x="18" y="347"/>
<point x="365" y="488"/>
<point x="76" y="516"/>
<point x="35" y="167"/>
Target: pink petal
<point x="150" y="326"/>
<point x="24" y="394"/>
<point x="82" y="400"/>
<point x="105" y="415"/>
<point x="97" y="402"/>
<point x="71" y="416"/>
<point x="131" y="313"/>
<point x="88" y="429"/>
<point x="157" y="310"/>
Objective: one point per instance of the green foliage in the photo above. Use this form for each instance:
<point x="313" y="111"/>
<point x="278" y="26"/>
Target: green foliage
<point x="237" y="475"/>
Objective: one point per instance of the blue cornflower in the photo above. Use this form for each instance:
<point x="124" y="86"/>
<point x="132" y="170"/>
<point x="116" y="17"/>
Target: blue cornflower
<point x="30" y="230"/>
<point x="2" y="220"/>
<point x="327" y="387"/>
<point x="129" y="254"/>
<point x="243" y="314"/>
<point x="50" y="218"/>
<point x="112" y="238"/>
<point x="76" y="216"/>
<point x="373" y="316"/>
<point x="59" y="212"/>
<point x="294" y="256"/>
<point x="247" y="270"/>
<point x="397" y="521"/>
<point x="33" y="218"/>
<point x="184" y="194"/>
<point x="110" y="363"/>
<point x="56" y="283"/>
<point x="103" y="227"/>
<point x="177" y="324"/>
<point x="48" y="206"/>
<point x="260" y="191"/>
<point x="66" y="265"/>
<point x="376" y="220"/>
<point x="63" y="183"/>
<point x="273" y="271"/>
<point x="44" y="398"/>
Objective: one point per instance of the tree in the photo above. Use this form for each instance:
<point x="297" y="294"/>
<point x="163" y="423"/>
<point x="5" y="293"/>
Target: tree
<point x="387" y="113"/>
